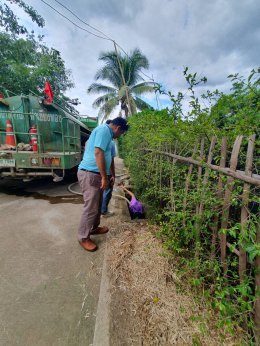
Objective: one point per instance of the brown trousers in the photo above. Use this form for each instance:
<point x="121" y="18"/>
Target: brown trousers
<point x="90" y="184"/>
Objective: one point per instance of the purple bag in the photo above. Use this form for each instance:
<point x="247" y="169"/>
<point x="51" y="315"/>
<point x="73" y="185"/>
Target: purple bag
<point x="136" y="206"/>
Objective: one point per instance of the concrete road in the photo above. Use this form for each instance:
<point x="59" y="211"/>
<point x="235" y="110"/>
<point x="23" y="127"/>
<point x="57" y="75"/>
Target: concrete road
<point x="49" y="285"/>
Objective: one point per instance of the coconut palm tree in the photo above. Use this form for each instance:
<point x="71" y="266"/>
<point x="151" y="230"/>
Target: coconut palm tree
<point x="116" y="93"/>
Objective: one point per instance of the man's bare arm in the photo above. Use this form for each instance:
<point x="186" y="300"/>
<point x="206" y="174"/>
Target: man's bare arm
<point x="100" y="160"/>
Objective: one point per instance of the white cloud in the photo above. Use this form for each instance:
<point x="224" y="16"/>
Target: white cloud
<point x="213" y="38"/>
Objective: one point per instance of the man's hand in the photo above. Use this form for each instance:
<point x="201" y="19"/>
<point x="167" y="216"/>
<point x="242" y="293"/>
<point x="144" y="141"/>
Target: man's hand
<point x="104" y="183"/>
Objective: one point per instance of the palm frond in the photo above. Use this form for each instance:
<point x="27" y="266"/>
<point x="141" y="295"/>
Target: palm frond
<point x="107" y="109"/>
<point x="111" y="70"/>
<point x="137" y="61"/>
<point x="141" y="104"/>
<point x="142" y="88"/>
<point x="109" y="74"/>
<point x="100" y="101"/>
<point x="97" y="88"/>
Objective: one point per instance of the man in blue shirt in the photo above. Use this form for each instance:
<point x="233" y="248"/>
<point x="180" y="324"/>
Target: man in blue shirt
<point x="93" y="173"/>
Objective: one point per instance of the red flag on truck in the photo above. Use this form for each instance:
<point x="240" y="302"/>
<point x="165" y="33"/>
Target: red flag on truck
<point x="48" y="91"/>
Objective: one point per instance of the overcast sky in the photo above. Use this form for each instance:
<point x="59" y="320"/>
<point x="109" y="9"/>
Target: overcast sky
<point x="213" y="38"/>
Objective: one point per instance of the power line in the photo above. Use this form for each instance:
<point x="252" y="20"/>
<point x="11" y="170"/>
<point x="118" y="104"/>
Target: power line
<point x="92" y="27"/>
<point x="54" y="9"/>
<point x="104" y="38"/>
<point x="121" y="71"/>
<point x="82" y="21"/>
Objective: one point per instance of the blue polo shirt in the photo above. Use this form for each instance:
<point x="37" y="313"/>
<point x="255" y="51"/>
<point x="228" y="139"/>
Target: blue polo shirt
<point x="101" y="137"/>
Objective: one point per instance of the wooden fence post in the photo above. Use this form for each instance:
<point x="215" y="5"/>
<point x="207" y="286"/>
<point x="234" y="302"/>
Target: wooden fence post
<point x="257" y="287"/>
<point x="202" y="143"/>
<point x="204" y="183"/>
<point x="187" y="184"/>
<point x="206" y="175"/>
<point x="226" y="204"/>
<point x="198" y="215"/>
<point x="160" y="183"/>
<point x="244" y="209"/>
<point x="219" y="197"/>
<point x="172" y="200"/>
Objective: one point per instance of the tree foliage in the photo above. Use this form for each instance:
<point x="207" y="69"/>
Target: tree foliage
<point x="26" y="63"/>
<point x="240" y="109"/>
<point x="116" y="93"/>
<point x="160" y="182"/>
<point x="10" y="22"/>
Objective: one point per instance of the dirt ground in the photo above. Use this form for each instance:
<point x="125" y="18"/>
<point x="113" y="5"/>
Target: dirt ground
<point x="148" y="304"/>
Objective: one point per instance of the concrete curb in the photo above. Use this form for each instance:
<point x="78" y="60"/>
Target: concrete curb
<point x="101" y="333"/>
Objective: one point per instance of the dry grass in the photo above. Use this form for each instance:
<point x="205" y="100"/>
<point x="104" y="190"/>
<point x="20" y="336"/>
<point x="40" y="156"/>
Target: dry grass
<point x="147" y="309"/>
